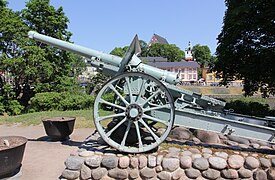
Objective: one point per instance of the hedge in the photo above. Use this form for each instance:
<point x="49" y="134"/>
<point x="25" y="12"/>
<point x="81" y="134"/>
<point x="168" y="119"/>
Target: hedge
<point x="60" y="101"/>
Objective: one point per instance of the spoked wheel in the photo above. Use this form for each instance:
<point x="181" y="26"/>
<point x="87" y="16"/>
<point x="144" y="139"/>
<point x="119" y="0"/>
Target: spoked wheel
<point x="134" y="112"/>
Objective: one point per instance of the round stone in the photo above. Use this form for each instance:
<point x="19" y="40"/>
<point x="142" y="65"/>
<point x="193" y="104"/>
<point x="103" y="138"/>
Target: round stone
<point x="201" y="164"/>
<point x="148" y="172"/>
<point x="133" y="173"/>
<point x="70" y="174"/>
<point x="271" y="173"/>
<point x="186" y="153"/>
<point x="98" y="173"/>
<point x="230" y="173"/>
<point x="170" y="164"/>
<point x="134" y="162"/>
<point x="251" y="163"/>
<point x="207" y="137"/>
<point x="124" y="162"/>
<point x="158" y="168"/>
<point x="239" y="140"/>
<point x="223" y="155"/>
<point x="86" y="153"/>
<point x="142" y="161"/>
<point x="93" y="161"/>
<point x="74" y="162"/>
<point x="85" y="172"/>
<point x="173" y="149"/>
<point x="206" y="150"/>
<point x="260" y="175"/>
<point x="192" y="173"/>
<point x="194" y="150"/>
<point x="211" y="174"/>
<point x="273" y="162"/>
<point x="195" y="156"/>
<point x="245" y="173"/>
<point x="117" y="173"/>
<point x="180" y="133"/>
<point x="217" y="162"/>
<point x="164" y="175"/>
<point x="206" y="155"/>
<point x="265" y="163"/>
<point x="235" y="161"/>
<point x="159" y="159"/>
<point x="152" y="161"/>
<point x="109" y="161"/>
<point x="178" y="173"/>
<point x="185" y="162"/>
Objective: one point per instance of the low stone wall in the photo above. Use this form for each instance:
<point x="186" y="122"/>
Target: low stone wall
<point x="171" y="163"/>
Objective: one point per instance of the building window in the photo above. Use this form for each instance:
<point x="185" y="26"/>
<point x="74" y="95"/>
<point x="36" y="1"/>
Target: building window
<point x="194" y="76"/>
<point x="190" y="76"/>
<point x="182" y="76"/>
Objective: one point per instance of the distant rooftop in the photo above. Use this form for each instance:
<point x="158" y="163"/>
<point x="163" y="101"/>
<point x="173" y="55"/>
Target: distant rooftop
<point x="161" y="62"/>
<point x="154" y="59"/>
<point x="158" y="39"/>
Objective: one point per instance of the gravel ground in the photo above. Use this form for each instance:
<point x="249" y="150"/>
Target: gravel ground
<point x="44" y="159"/>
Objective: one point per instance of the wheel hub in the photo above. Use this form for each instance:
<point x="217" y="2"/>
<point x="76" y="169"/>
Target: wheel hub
<point x="134" y="112"/>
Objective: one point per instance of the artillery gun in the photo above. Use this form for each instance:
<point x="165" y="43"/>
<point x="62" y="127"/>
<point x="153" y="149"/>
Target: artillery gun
<point x="136" y="109"/>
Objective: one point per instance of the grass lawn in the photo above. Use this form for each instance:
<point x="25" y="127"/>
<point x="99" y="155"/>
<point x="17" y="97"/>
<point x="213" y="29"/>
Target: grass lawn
<point x="84" y="118"/>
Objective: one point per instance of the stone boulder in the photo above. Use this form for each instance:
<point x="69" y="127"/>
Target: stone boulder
<point x="207" y="137"/>
<point x="180" y="133"/>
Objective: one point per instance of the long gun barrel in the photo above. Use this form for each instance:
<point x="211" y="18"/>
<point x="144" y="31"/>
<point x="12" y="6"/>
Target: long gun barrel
<point x="107" y="59"/>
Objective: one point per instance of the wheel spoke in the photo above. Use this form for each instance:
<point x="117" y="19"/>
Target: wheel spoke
<point x="116" y="126"/>
<point x="150" y="130"/>
<point x="112" y="104"/>
<point x="111" y="116"/>
<point x="118" y="94"/>
<point x="140" y="91"/>
<point x="167" y="106"/>
<point x="140" y="144"/>
<point x="126" y="133"/>
<point x="130" y="89"/>
<point x="153" y="95"/>
<point x="155" y="119"/>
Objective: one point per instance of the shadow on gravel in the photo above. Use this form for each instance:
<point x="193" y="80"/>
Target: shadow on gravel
<point x="66" y="142"/>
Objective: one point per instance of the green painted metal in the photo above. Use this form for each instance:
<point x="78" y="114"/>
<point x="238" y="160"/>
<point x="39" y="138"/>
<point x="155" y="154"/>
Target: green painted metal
<point x="135" y="111"/>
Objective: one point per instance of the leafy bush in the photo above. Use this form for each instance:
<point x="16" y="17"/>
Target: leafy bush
<point x="13" y="107"/>
<point x="249" y="106"/>
<point x="60" y="101"/>
<point x="8" y="102"/>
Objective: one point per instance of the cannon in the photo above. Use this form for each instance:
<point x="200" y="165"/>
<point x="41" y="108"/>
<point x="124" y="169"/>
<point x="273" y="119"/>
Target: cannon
<point x="136" y="109"/>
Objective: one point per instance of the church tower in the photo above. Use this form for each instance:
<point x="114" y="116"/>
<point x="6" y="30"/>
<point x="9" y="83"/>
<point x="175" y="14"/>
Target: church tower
<point x="188" y="53"/>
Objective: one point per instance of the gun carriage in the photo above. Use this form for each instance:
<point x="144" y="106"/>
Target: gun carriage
<point x="136" y="109"/>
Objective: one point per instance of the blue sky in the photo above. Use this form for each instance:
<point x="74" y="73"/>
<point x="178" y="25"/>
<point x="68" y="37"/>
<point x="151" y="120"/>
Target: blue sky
<point x="105" y="24"/>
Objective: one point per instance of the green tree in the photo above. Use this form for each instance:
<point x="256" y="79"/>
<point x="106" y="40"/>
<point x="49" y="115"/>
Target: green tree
<point x="202" y="54"/>
<point x="33" y="66"/>
<point x="3" y="3"/>
<point x="169" y="51"/>
<point x="13" y="51"/>
<point x="119" y="51"/>
<point x="40" y="16"/>
<point x="144" y="48"/>
<point x="246" y="47"/>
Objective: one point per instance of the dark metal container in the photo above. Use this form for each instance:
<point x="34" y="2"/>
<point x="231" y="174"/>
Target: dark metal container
<point x="59" y="128"/>
<point x="11" y="154"/>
